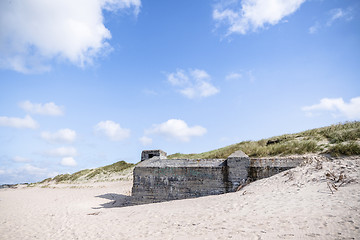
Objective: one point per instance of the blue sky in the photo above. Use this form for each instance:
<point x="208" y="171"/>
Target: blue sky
<point x="90" y="82"/>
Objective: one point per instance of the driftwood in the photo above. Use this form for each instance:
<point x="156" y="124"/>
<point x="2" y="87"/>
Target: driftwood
<point x="243" y="185"/>
<point x="334" y="182"/>
<point x="240" y="187"/>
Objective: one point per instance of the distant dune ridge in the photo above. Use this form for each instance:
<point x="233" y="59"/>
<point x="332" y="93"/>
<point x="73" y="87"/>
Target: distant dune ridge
<point x="320" y="199"/>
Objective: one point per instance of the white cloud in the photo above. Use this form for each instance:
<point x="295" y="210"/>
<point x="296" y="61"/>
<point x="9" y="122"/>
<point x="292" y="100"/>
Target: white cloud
<point x="250" y="15"/>
<point x="178" y="78"/>
<point x="26" y="173"/>
<point x="115" y="5"/>
<point x="337" y="106"/>
<point x="338" y="13"/>
<point x="20" y="159"/>
<point x="206" y="89"/>
<point x="61" y="152"/>
<point x="68" y="161"/>
<point x="189" y="92"/>
<point x="32" y="170"/>
<point x="32" y="33"/>
<point x="112" y="130"/>
<point x="146" y="141"/>
<point x="242" y="74"/>
<point x="42" y="109"/>
<point x="62" y="136"/>
<point x="199" y="74"/>
<point x="176" y="129"/>
<point x="192" y="84"/>
<point x="233" y="76"/>
<point x="314" y="28"/>
<point x="26" y="122"/>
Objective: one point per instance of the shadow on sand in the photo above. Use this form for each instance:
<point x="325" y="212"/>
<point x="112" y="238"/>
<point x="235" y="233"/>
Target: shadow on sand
<point x="117" y="200"/>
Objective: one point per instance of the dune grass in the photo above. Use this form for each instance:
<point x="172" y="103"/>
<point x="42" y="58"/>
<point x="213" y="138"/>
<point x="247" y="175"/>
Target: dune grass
<point x="88" y="174"/>
<point x="351" y="148"/>
<point x="339" y="139"/>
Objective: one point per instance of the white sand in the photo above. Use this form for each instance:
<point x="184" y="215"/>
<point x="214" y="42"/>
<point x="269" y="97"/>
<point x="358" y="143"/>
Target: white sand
<point x="295" y="204"/>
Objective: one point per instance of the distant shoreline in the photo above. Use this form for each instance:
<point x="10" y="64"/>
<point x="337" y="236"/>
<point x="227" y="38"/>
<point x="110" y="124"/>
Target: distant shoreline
<point x="2" y="186"/>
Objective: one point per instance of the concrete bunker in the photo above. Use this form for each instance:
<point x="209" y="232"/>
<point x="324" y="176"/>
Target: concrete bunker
<point x="147" y="154"/>
<point x="158" y="179"/>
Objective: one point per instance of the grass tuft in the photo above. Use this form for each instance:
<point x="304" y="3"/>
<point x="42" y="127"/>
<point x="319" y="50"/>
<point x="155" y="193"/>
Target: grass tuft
<point x="347" y="149"/>
<point x="61" y="178"/>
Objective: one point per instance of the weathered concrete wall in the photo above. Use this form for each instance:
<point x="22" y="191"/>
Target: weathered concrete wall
<point x="238" y="167"/>
<point x="158" y="179"/>
<point x="159" y="184"/>
<point x="266" y="167"/>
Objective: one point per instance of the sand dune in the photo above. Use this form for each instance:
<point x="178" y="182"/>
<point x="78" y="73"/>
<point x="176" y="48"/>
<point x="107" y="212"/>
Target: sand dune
<point x="296" y="204"/>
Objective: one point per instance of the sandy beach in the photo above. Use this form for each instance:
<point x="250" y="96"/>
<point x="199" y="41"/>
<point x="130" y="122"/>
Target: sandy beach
<point x="295" y="204"/>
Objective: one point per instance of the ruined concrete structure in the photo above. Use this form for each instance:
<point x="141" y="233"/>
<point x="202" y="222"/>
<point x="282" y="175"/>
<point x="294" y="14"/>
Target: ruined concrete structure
<point x="157" y="178"/>
<point x="147" y="154"/>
